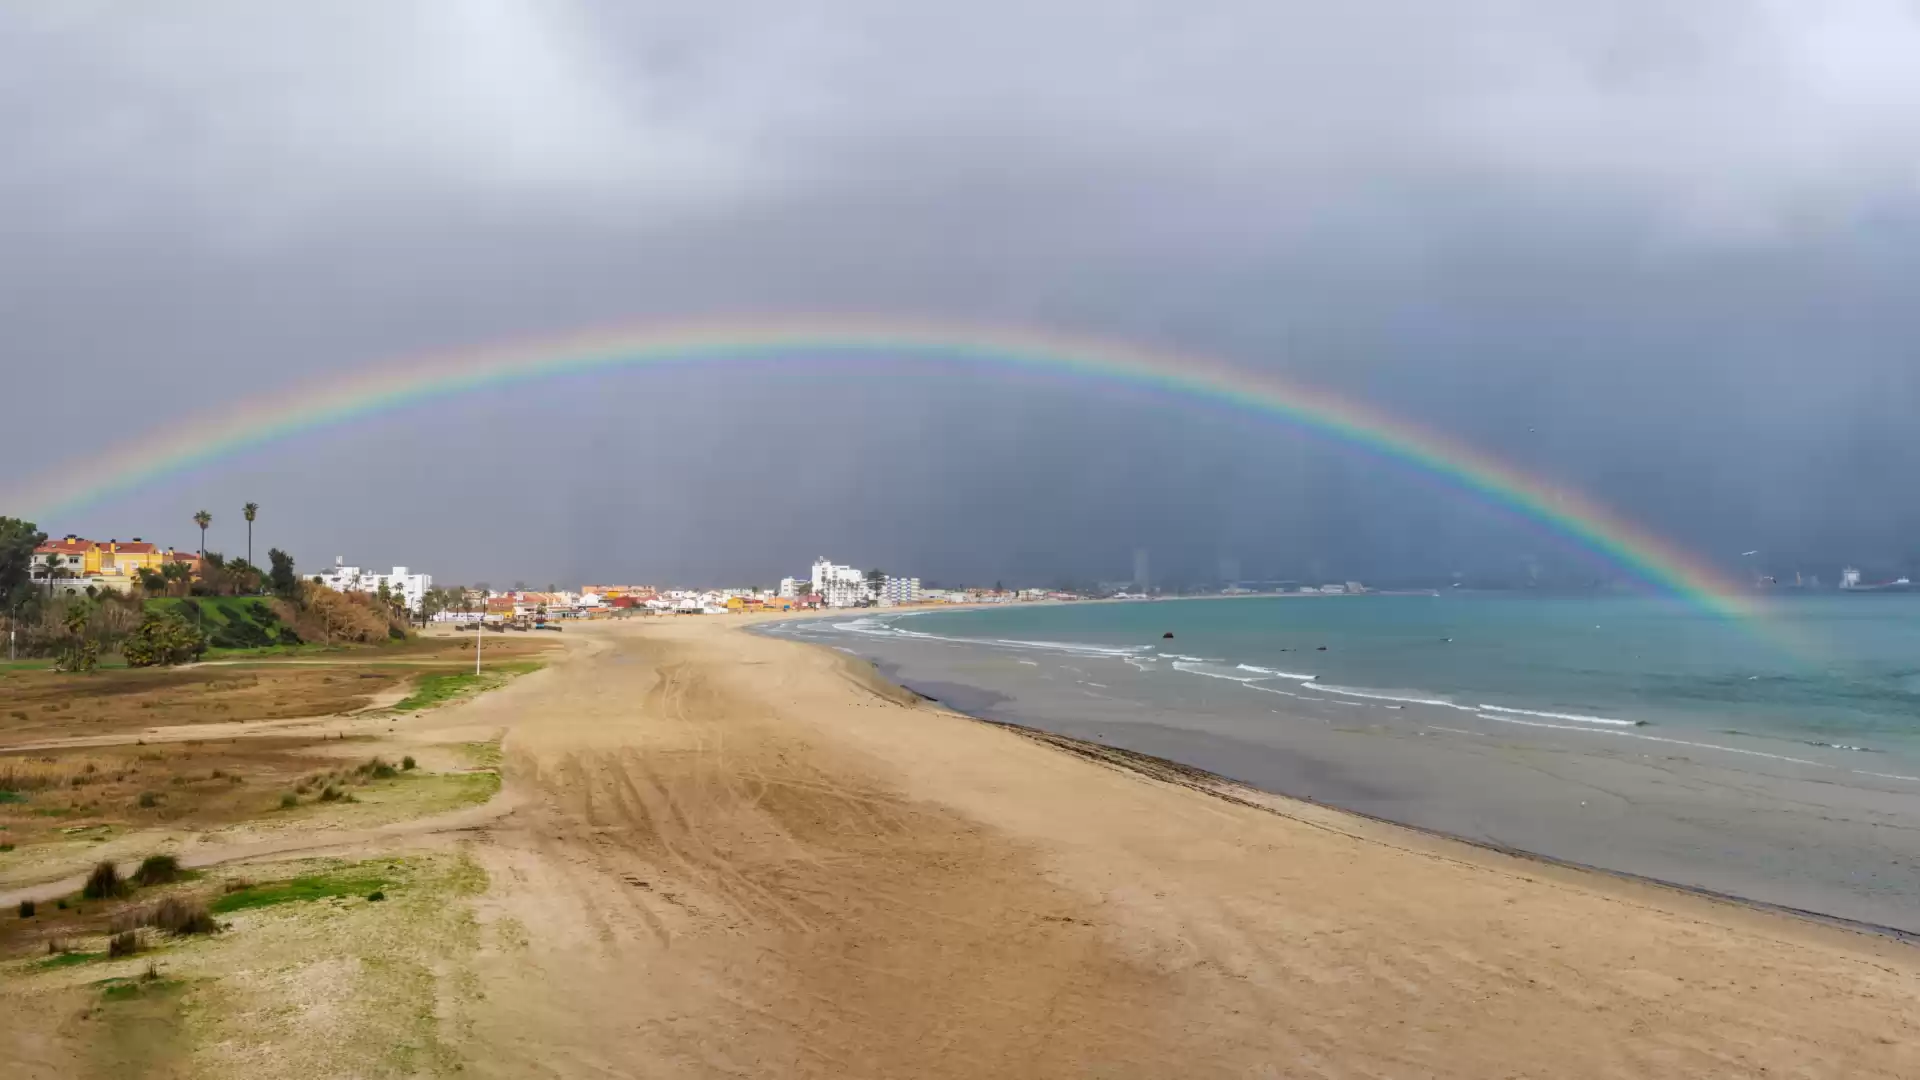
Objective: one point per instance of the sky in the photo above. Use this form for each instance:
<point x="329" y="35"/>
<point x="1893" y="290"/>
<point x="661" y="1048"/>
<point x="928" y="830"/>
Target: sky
<point x="1659" y="253"/>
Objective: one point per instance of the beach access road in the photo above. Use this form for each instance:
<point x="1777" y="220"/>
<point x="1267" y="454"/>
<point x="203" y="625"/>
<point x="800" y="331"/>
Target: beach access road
<point x="731" y="855"/>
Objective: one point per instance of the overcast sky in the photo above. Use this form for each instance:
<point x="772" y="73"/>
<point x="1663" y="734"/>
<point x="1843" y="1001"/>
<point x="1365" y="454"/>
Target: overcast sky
<point x="1661" y="252"/>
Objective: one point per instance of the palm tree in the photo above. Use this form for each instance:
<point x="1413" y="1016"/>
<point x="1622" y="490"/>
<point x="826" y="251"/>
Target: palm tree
<point x="248" y="511"/>
<point x="203" y="519"/>
<point x="53" y="570"/>
<point x="175" y="572"/>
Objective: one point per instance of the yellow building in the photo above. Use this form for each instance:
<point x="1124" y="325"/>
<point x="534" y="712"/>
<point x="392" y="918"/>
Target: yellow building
<point x="81" y="558"/>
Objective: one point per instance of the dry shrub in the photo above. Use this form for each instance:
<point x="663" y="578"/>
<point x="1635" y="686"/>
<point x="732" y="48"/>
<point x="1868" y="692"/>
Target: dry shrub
<point x="104" y="882"/>
<point x="39" y="774"/>
<point x="177" y="915"/>
<point x="157" y="870"/>
<point x="335" y="617"/>
<point x="123" y="944"/>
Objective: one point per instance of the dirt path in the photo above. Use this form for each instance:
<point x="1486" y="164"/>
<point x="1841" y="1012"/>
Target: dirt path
<point x="735" y="856"/>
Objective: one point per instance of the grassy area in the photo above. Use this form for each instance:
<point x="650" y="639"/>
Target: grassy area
<point x="70" y="959"/>
<point x="230" y="622"/>
<point x="352" y="881"/>
<point x="439" y="689"/>
<point x="306" y="965"/>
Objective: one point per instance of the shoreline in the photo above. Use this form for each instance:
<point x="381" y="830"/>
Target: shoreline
<point x="1216" y="785"/>
<point x="1741" y="822"/>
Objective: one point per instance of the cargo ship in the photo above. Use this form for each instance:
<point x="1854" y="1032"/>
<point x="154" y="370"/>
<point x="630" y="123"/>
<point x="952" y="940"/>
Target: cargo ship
<point x="1850" y="582"/>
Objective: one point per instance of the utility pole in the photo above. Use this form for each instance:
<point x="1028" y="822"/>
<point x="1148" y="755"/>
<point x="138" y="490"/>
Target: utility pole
<point x="479" y="628"/>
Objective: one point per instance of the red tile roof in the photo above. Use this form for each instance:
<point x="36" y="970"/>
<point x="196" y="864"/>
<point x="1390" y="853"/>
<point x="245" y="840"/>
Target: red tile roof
<point x="74" y="545"/>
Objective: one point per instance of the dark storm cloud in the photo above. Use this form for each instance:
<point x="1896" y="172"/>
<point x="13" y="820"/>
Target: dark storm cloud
<point x="1659" y="251"/>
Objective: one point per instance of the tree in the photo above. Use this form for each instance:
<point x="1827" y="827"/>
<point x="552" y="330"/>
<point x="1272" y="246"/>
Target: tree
<point x="17" y="540"/>
<point x="248" y="511"/>
<point x="203" y="519"/>
<point x="80" y="652"/>
<point x="281" y="578"/>
<point x="153" y="581"/>
<point x="54" y="571"/>
<point x="162" y="641"/>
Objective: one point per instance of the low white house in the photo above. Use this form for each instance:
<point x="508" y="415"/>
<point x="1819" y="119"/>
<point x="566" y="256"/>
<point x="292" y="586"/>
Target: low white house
<point x="410" y="586"/>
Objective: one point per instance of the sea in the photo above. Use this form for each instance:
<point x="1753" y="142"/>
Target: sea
<point x="1835" y="670"/>
<point x="1774" y="758"/>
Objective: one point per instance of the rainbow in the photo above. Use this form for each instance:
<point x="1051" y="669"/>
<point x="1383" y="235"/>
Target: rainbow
<point x="209" y="440"/>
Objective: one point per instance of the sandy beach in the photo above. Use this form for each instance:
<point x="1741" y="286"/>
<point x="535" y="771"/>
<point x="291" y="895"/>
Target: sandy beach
<point x="721" y="854"/>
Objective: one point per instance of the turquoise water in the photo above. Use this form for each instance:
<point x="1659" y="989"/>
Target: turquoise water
<point x="1835" y="670"/>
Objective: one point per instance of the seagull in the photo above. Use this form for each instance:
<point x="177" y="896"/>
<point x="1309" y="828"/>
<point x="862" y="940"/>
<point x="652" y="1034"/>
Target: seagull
<point x="1755" y="551"/>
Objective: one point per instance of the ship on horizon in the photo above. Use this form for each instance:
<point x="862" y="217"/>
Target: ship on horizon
<point x="1850" y="582"/>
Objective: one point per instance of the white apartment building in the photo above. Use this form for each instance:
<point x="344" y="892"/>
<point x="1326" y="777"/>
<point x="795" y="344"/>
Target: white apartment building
<point x="826" y="573"/>
<point x="412" y="587"/>
<point x="839" y="586"/>
<point x="790" y="587"/>
<point x="842" y="593"/>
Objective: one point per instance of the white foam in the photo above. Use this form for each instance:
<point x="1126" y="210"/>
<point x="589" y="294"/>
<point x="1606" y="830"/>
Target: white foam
<point x="1194" y="668"/>
<point x="1029" y="663"/>
<point x="1884" y="775"/>
<point x="1276" y="672"/>
<point x="1575" y="717"/>
<point x="1270" y="690"/>
<point x="1662" y="739"/>
<point x="1074" y="648"/>
<point x="1375" y="695"/>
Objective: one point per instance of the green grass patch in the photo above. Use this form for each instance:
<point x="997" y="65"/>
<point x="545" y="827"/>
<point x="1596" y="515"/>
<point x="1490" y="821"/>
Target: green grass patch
<point x="231" y="623"/>
<point x="71" y="959"/>
<point x="12" y="796"/>
<point x="120" y="989"/>
<point x="434" y="690"/>
<point x="352" y="882"/>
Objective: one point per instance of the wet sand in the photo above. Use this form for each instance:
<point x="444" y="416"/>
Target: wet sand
<point x="1765" y="820"/>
